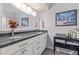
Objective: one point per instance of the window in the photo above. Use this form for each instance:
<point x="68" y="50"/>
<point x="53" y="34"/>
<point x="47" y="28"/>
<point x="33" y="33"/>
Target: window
<point x="3" y="23"/>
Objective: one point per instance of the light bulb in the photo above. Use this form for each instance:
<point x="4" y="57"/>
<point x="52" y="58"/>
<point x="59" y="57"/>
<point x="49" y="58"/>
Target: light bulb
<point x="30" y="9"/>
<point x="34" y="13"/>
<point x="17" y="4"/>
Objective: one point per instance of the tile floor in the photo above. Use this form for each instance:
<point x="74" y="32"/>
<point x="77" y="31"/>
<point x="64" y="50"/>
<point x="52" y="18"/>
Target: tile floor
<point x="48" y="51"/>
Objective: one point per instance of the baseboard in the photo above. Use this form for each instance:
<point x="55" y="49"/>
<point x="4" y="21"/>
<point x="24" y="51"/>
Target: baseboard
<point x="49" y="47"/>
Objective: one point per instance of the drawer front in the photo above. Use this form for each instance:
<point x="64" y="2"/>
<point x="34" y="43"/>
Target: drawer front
<point x="37" y="38"/>
<point x="26" y="42"/>
<point x="15" y="47"/>
<point x="40" y="37"/>
<point x="21" y="52"/>
<point x="37" y="43"/>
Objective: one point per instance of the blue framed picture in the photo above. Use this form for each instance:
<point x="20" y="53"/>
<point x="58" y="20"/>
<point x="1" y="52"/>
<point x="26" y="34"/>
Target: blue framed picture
<point x="66" y="18"/>
<point x="25" y="22"/>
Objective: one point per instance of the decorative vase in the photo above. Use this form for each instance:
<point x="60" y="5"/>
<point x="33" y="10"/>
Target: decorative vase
<point x="12" y="31"/>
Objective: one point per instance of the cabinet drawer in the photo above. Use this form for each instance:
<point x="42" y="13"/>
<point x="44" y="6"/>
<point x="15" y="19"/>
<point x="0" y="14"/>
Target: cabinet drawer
<point x="40" y="37"/>
<point x="26" y="42"/>
<point x="37" y="38"/>
<point x="37" y="43"/>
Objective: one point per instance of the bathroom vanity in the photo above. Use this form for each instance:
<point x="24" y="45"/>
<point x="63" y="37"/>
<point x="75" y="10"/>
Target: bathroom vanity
<point x="31" y="43"/>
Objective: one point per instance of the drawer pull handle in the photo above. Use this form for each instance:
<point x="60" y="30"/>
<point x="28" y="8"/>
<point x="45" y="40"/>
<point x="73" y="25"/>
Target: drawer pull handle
<point x="38" y="47"/>
<point x="38" y="42"/>
<point x="25" y="51"/>
<point x="23" y="45"/>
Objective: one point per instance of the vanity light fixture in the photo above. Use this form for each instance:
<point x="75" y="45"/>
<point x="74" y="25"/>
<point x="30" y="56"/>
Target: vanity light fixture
<point x="34" y="13"/>
<point x="18" y="5"/>
<point x="30" y="9"/>
<point x="24" y="7"/>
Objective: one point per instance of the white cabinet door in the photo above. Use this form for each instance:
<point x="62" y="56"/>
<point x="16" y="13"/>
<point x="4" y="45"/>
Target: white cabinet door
<point x="44" y="40"/>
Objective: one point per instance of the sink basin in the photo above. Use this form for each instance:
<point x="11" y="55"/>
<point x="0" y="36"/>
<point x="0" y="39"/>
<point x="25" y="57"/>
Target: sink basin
<point x="15" y="37"/>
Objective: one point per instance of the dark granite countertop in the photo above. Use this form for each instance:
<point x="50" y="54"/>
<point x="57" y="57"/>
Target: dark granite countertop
<point x="7" y="40"/>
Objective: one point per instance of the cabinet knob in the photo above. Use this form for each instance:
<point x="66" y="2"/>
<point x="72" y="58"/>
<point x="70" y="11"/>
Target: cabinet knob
<point x="25" y="50"/>
<point x="38" y="47"/>
<point x="38" y="42"/>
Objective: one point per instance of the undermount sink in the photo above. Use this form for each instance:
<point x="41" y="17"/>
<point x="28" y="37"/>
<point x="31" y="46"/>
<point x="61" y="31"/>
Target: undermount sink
<point x="15" y="37"/>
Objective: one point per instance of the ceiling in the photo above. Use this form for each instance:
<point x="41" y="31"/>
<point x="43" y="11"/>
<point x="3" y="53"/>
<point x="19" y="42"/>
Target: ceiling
<point x="41" y="6"/>
<point x="37" y="6"/>
<point x="49" y="5"/>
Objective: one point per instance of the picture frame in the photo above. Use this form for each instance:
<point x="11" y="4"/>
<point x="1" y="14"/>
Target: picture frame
<point x="66" y="18"/>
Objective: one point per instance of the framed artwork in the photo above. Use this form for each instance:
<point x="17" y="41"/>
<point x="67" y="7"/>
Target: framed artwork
<point x="66" y="18"/>
<point x="25" y="22"/>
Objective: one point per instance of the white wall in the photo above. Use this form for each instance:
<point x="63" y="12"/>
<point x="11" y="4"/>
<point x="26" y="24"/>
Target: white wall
<point x="11" y="11"/>
<point x="49" y="17"/>
<point x="60" y="8"/>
